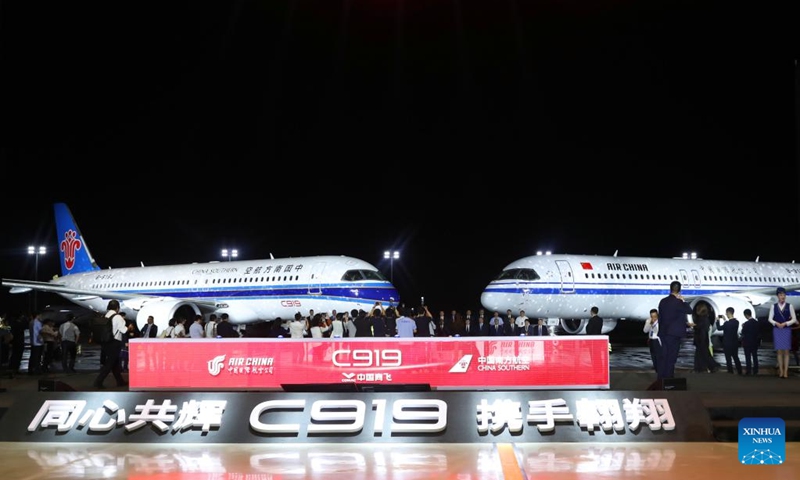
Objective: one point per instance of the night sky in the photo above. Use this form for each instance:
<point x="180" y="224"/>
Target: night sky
<point x="465" y="134"/>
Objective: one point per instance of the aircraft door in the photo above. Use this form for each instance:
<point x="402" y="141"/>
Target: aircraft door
<point x="696" y="276"/>
<point x="567" y="279"/>
<point x="315" y="282"/>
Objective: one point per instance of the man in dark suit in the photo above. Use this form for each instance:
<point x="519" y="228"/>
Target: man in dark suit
<point x="497" y="327"/>
<point x="468" y="330"/>
<point x="540" y="329"/>
<point x="225" y="328"/>
<point x="672" y="312"/>
<point x="150" y="330"/>
<point x="528" y="329"/>
<point x="595" y="325"/>
<point x="751" y="340"/>
<point x="481" y="329"/>
<point x="730" y="340"/>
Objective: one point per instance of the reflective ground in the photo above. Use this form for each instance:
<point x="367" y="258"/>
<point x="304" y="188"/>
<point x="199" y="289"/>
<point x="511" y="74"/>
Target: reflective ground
<point x="684" y="461"/>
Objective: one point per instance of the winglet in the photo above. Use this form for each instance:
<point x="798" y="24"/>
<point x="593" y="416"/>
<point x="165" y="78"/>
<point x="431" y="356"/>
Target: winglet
<point x="72" y="249"/>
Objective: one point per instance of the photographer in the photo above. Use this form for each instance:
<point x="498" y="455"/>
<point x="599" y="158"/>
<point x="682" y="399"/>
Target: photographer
<point x="377" y="317"/>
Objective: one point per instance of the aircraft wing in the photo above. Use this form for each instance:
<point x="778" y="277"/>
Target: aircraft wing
<point x="22" y="286"/>
<point x="756" y="296"/>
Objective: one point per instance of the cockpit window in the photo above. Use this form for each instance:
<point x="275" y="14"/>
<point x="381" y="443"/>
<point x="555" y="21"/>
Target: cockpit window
<point x="361" y="275"/>
<point x="373" y="275"/>
<point x="519" y="274"/>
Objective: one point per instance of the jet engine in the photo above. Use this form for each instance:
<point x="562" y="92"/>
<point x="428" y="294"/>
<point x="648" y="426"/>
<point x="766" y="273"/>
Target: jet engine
<point x="163" y="311"/>
<point x="578" y="326"/>
<point x="717" y="304"/>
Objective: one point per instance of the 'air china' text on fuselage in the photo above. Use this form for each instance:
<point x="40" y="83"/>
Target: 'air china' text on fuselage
<point x="628" y="267"/>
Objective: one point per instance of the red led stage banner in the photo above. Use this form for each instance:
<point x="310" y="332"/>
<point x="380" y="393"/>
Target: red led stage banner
<point x="578" y="362"/>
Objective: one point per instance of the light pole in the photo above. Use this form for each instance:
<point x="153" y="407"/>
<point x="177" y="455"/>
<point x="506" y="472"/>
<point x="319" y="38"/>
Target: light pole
<point x="391" y="256"/>
<point x="36" y="251"/>
<point x="230" y="254"/>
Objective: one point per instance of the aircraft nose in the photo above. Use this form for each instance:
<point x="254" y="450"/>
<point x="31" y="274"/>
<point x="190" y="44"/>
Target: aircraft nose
<point x="490" y="301"/>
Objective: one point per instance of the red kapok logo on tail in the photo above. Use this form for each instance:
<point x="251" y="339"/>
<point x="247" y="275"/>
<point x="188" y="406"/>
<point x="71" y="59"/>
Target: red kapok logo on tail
<point x="69" y="246"/>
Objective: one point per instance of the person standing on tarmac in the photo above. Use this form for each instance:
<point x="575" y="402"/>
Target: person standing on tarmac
<point x="112" y="348"/>
<point x="595" y="325"/>
<point x="672" y="314"/>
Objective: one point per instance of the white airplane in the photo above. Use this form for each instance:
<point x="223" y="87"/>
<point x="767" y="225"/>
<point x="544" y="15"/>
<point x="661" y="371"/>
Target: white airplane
<point x="563" y="288"/>
<point x="247" y="290"/>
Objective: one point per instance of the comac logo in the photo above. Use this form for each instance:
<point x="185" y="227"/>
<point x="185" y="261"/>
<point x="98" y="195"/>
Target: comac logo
<point x="215" y="365"/>
<point x="69" y="246"/>
<point x="462" y="365"/>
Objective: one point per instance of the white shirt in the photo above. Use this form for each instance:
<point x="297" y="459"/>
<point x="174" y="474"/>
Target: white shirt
<point x="652" y="330"/>
<point x="211" y="329"/>
<point x="338" y="329"/>
<point x="297" y="328"/>
<point x="118" y="327"/>
<point x="520" y="321"/>
<point x="792" y="315"/>
<point x="179" y="331"/>
<point x="69" y="332"/>
<point x="316" y="332"/>
<point x="351" y="328"/>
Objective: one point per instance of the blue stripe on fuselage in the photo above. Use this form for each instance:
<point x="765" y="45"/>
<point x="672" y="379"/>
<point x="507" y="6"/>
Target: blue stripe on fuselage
<point x="614" y="290"/>
<point x="352" y="293"/>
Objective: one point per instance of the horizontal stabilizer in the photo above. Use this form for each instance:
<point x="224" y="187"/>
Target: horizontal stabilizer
<point x="62" y="289"/>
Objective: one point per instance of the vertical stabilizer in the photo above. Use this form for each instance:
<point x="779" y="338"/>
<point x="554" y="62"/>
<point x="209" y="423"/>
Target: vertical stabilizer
<point x="72" y="249"/>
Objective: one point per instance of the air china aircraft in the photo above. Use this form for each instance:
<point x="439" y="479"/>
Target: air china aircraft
<point x="247" y="290"/>
<point x="562" y="288"/>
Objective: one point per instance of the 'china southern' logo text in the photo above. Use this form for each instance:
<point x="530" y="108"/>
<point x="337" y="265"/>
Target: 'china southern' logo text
<point x="762" y="441"/>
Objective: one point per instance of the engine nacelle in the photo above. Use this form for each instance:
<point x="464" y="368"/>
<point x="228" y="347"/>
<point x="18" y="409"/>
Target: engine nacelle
<point x="164" y="311"/>
<point x="578" y="326"/>
<point x="717" y="306"/>
<point x="574" y="326"/>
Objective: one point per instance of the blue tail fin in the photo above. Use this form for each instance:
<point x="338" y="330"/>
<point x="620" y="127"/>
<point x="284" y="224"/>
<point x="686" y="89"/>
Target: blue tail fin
<point x="72" y="249"/>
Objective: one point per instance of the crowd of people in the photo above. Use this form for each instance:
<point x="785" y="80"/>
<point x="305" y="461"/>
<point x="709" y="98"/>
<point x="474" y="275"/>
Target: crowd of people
<point x="668" y="324"/>
<point x="665" y="328"/>
<point x="399" y="321"/>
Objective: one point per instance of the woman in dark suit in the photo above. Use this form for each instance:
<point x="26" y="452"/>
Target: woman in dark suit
<point x="703" y="360"/>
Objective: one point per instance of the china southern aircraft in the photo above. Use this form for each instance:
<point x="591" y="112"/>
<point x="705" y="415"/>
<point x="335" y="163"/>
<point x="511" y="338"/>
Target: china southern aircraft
<point x="247" y="290"/>
<point x="563" y="288"/>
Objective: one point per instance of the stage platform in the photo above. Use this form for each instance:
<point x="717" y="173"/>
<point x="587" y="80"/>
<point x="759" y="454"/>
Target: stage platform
<point x="727" y="397"/>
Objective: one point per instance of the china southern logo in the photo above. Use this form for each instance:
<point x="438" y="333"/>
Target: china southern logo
<point x="216" y="364"/>
<point x="69" y="246"/>
<point x="462" y="365"/>
<point x="762" y="441"/>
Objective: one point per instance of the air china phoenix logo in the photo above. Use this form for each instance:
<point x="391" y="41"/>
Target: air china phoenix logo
<point x="462" y="365"/>
<point x="69" y="246"/>
<point x="216" y="364"/>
